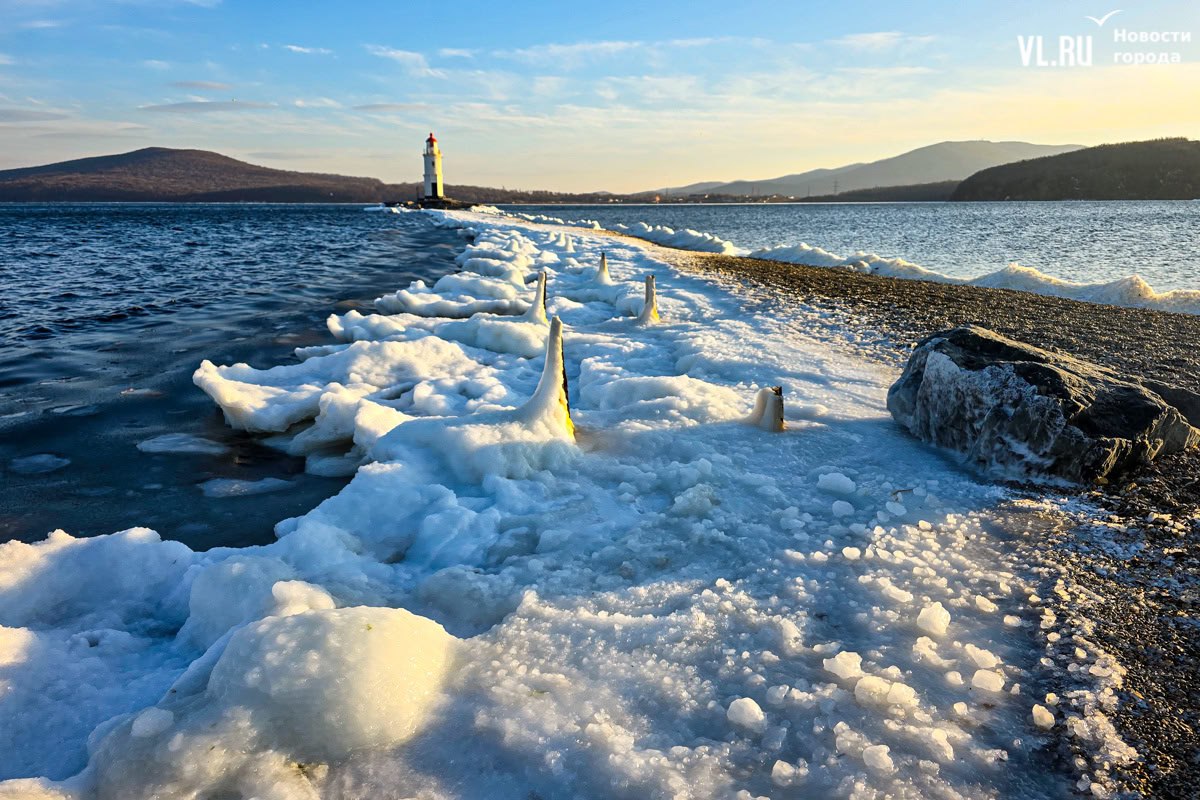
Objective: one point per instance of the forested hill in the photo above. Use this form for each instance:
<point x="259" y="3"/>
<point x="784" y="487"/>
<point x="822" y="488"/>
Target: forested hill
<point x="169" y="175"/>
<point x="1161" y="169"/>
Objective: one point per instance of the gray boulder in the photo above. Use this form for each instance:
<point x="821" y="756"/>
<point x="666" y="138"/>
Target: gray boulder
<point x="1014" y="408"/>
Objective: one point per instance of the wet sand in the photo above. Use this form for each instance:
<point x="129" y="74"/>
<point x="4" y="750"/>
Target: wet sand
<point x="1135" y="592"/>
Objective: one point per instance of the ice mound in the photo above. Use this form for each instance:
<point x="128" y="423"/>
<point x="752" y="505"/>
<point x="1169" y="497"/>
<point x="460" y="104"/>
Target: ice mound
<point x="686" y="239"/>
<point x="304" y="689"/>
<point x="511" y="444"/>
<point x="275" y="399"/>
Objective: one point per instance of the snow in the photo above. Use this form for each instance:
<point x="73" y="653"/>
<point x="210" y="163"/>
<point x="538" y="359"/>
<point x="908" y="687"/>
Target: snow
<point x="568" y="557"/>
<point x="1131" y="291"/>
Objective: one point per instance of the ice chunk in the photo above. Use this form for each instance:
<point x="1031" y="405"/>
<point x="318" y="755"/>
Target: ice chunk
<point x="846" y="665"/>
<point x="934" y="619"/>
<point x="987" y="680"/>
<point x="745" y="713"/>
<point x="836" y="483"/>
<point x="878" y="759"/>
<point x="182" y="443"/>
<point x="231" y="487"/>
<point x="842" y="509"/>
<point x="1043" y="717"/>
<point x="984" y="659"/>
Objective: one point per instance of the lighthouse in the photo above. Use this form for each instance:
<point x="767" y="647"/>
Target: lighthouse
<point x="432" y="188"/>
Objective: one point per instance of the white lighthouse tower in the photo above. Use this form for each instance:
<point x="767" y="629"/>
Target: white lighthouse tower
<point x="432" y="188"/>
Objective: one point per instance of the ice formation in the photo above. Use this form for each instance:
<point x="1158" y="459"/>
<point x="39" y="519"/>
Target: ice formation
<point x="1131" y="291"/>
<point x="564" y="566"/>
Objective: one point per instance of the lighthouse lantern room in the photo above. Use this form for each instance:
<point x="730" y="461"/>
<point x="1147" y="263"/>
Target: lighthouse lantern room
<point x="432" y="187"/>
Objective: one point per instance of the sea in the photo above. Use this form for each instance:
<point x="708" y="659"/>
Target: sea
<point x="106" y="310"/>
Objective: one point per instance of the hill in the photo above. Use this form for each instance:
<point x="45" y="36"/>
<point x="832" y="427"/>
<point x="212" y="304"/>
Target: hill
<point x="1161" y="169"/>
<point x="915" y="193"/>
<point x="160" y="174"/>
<point x="946" y="161"/>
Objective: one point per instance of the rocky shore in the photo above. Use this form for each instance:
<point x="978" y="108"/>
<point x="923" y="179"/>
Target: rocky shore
<point x="1128" y="565"/>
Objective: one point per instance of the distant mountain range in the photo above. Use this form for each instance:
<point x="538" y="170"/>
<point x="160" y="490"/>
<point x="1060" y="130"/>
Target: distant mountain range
<point x="1161" y="169"/>
<point x="946" y="161"/>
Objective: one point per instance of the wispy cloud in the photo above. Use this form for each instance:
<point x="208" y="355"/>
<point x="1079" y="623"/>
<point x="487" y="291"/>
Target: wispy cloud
<point x="207" y="106"/>
<point x="153" y="63"/>
<point x="571" y="53"/>
<point x="6" y="60"/>
<point x="209" y="86"/>
<point x="456" y="52"/>
<point x="310" y="51"/>
<point x="879" y="40"/>
<point x="391" y="108"/>
<point x="41" y="24"/>
<point x="316" y="102"/>
<point x="414" y="62"/>
<point x="29" y="115"/>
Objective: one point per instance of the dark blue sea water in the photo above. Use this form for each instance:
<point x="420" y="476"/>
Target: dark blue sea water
<point x="1084" y="242"/>
<point x="105" y="312"/>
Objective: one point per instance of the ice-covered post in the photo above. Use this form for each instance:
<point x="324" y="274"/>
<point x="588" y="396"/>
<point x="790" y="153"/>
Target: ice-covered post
<point x="768" y="410"/>
<point x="537" y="309"/>
<point x="551" y="401"/>
<point x="602" y="276"/>
<point x="649" y="313"/>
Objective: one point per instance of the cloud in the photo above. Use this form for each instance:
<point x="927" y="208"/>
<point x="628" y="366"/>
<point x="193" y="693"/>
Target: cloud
<point x="316" y="102"/>
<point x="569" y="53"/>
<point x="879" y="40"/>
<point x="153" y="63"/>
<point x="391" y="108"/>
<point x="211" y="86"/>
<point x="41" y="24"/>
<point x="29" y="115"/>
<point x="456" y="52"/>
<point x="6" y="60"/>
<point x="311" y="51"/>
<point x="207" y="106"/>
<point x="413" y="62"/>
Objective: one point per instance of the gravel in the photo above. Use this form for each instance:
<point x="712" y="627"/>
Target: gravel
<point x="1140" y="572"/>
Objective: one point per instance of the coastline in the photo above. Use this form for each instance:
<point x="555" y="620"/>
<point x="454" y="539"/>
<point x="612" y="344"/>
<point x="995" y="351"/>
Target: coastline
<point x="1138" y="579"/>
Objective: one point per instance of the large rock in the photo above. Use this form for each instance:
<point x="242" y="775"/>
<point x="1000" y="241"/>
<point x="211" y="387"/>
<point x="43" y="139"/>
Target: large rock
<point x="1015" y="408"/>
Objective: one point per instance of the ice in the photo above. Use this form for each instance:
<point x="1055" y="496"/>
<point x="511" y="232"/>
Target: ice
<point x="934" y="619"/>
<point x="1042" y="716"/>
<point x="745" y="713"/>
<point x="877" y="758"/>
<point x="231" y="487"/>
<point x="38" y="464"/>
<point x="845" y="665"/>
<point x="182" y="443"/>
<point x="987" y="680"/>
<point x="563" y="558"/>
<point x="836" y="483"/>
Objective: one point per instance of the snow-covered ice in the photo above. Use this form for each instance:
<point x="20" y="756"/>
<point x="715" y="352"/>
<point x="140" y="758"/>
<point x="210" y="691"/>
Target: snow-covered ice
<point x="38" y="464"/>
<point x="570" y="562"/>
<point x="182" y="443"/>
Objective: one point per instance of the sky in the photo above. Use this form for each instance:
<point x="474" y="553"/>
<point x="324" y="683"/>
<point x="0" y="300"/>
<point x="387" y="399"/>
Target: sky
<point x="582" y="96"/>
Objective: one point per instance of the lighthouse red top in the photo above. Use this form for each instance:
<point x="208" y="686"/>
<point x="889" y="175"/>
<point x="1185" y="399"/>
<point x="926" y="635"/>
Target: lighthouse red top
<point x="431" y="138"/>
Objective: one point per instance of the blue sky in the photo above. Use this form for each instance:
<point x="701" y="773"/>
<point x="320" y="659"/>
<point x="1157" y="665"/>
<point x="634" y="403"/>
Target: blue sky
<point x="575" y="96"/>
